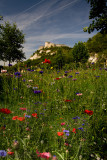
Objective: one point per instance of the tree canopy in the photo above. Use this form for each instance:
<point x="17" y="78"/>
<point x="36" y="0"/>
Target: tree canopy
<point x="98" y="43"/>
<point x="80" y="52"/>
<point x="11" y="40"/>
<point x="98" y="13"/>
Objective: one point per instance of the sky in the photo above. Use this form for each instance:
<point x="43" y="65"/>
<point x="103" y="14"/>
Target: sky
<point x="56" y="21"/>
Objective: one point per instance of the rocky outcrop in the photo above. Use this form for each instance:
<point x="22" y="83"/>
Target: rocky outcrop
<point x="34" y="57"/>
<point x="93" y="58"/>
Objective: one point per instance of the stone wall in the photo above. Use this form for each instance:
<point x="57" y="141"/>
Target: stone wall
<point x="49" y="44"/>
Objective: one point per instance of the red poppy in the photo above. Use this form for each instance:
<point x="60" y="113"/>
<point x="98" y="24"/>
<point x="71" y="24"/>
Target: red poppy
<point x="74" y="130"/>
<point x="88" y="112"/>
<point x="21" y="118"/>
<point x="62" y="123"/>
<point x="67" y="100"/>
<point x="5" y="110"/>
<point x="57" y="78"/>
<point x="3" y="128"/>
<point x="60" y="133"/>
<point x="34" y="115"/>
<point x="15" y="117"/>
<point x="45" y="155"/>
<point x="10" y="153"/>
<point x="47" y="61"/>
<point x="23" y="109"/>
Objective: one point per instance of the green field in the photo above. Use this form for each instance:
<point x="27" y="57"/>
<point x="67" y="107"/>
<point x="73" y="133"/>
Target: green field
<point x="70" y="119"/>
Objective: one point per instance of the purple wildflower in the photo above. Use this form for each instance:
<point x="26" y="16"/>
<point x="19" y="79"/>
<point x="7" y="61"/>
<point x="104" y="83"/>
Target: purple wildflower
<point x="17" y="73"/>
<point x="24" y="80"/>
<point x="28" y="69"/>
<point x="27" y="116"/>
<point x="76" y="117"/>
<point x="42" y="113"/>
<point x="41" y="72"/>
<point x="74" y="79"/>
<point x="70" y="76"/>
<point x="3" y="153"/>
<point x="9" y="64"/>
<point x="66" y="131"/>
<point x="77" y="73"/>
<point x="81" y="129"/>
<point x="37" y="91"/>
<point x="67" y="134"/>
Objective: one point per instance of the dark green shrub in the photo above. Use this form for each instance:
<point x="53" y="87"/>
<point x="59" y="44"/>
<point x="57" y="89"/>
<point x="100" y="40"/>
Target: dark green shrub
<point x="80" y="53"/>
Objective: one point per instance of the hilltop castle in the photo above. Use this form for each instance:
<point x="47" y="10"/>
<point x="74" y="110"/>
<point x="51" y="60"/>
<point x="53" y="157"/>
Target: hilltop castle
<point x="49" y="44"/>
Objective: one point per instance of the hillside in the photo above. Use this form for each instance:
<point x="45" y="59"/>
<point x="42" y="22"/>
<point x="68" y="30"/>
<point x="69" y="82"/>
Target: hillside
<point x="47" y="50"/>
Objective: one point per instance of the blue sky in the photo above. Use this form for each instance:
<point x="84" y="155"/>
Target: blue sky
<point x="57" y="21"/>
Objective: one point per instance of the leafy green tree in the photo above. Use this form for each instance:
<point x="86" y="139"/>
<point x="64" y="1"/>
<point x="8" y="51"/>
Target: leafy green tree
<point x="98" y="12"/>
<point x="97" y="43"/>
<point x="59" y="59"/>
<point x="11" y="40"/>
<point x="80" y="53"/>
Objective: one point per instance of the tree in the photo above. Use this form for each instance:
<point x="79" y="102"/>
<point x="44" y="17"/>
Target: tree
<point x="98" y="12"/>
<point x="80" y="53"/>
<point x="98" y="43"/>
<point x="11" y="40"/>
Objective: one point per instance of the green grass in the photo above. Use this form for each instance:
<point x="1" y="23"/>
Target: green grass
<point x="52" y="110"/>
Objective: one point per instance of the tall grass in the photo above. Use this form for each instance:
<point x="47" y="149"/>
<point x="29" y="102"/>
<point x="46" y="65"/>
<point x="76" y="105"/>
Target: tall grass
<point x="52" y="110"/>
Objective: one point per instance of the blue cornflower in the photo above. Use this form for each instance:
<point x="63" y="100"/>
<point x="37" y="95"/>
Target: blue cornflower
<point x="37" y="103"/>
<point x="81" y="129"/>
<point x="67" y="134"/>
<point x="14" y="88"/>
<point x="37" y="91"/>
<point x="41" y="72"/>
<point x="28" y="69"/>
<point x="24" y="80"/>
<point x="70" y="76"/>
<point x="97" y="76"/>
<point x="42" y="113"/>
<point x="27" y="116"/>
<point x="17" y="73"/>
<point x="3" y="153"/>
<point x="77" y="73"/>
<point x="9" y="64"/>
<point x="66" y="131"/>
<point x="76" y="117"/>
<point x="66" y="71"/>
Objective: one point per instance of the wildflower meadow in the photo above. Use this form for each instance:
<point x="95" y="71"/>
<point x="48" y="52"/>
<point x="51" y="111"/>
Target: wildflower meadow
<point x="53" y="114"/>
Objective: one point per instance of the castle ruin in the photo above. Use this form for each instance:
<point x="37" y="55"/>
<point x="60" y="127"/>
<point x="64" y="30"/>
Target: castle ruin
<point x="49" y="44"/>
